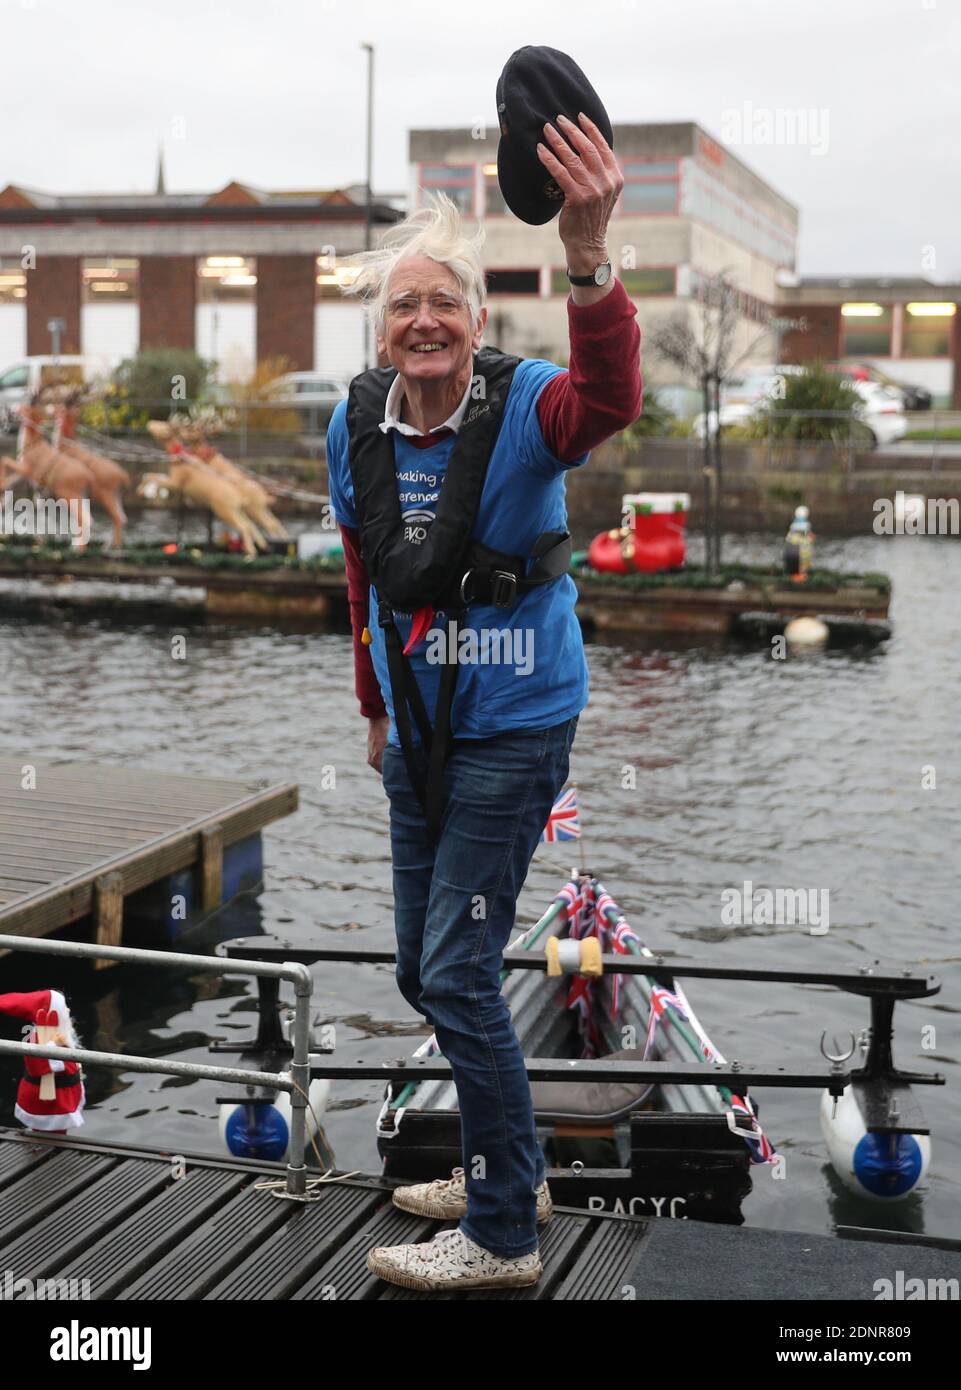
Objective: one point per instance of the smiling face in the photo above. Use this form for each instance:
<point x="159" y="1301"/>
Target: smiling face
<point x="437" y="342"/>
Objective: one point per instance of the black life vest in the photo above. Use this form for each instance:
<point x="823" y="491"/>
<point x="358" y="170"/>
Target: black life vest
<point x="449" y="570"/>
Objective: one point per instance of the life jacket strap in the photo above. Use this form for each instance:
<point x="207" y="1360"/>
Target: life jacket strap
<point x="495" y="577"/>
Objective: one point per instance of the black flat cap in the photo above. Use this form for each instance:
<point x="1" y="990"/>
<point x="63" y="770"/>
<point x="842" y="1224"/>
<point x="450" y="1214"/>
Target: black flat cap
<point x="537" y="85"/>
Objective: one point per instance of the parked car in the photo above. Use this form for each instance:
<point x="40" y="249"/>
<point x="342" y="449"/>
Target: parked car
<point x="20" y="380"/>
<point x="883" y="413"/>
<point x="913" y="397"/>
<point x="314" y="394"/>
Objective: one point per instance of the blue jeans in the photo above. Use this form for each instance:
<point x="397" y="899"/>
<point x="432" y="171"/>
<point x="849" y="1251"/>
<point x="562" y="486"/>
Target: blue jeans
<point x="454" y="909"/>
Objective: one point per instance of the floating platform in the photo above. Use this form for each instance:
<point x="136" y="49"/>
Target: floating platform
<point x="112" y="585"/>
<point x="141" y="854"/>
<point x="741" y="609"/>
<point x="142" y="1225"/>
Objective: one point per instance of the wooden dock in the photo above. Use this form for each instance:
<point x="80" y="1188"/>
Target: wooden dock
<point x="80" y="840"/>
<point x="140" y="1227"/>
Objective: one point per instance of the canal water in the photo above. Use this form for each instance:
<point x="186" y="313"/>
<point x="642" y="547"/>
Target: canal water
<point x="805" y="773"/>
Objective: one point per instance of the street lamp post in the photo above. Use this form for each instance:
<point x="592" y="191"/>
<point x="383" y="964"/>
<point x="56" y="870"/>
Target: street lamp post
<point x="55" y="328"/>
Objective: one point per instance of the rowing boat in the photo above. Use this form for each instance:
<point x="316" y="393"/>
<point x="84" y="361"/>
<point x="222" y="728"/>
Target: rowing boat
<point x="640" y="1148"/>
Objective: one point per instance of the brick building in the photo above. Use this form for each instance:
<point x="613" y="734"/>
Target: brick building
<point x="240" y="274"/>
<point x="908" y="327"/>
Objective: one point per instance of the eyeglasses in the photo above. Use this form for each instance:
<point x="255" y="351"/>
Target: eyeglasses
<point x="441" y="306"/>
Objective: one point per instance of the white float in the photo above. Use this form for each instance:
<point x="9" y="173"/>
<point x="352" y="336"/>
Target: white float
<point x="881" y="1167"/>
<point x="806" y="632"/>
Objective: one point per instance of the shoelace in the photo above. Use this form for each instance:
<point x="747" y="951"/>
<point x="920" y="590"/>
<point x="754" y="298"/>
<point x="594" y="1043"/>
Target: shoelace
<point x="448" y="1183"/>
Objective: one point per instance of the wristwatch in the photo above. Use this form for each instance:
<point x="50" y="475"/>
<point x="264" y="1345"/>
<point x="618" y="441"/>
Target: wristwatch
<point x="600" y="276"/>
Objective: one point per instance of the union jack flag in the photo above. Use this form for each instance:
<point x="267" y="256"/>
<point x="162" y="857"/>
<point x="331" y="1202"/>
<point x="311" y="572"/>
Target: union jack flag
<point x="661" y="999"/>
<point x="762" y="1150"/>
<point x="563" y="822"/>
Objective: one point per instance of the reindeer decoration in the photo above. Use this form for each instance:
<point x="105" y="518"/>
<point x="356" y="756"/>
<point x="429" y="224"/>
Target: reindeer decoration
<point x="193" y="432"/>
<point x="195" y="480"/>
<point x="67" y="474"/>
<point x="108" y="476"/>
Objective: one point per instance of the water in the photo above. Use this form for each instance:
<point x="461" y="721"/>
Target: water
<point x="806" y="773"/>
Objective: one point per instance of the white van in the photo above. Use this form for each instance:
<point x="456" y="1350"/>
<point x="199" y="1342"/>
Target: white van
<point x="20" y="380"/>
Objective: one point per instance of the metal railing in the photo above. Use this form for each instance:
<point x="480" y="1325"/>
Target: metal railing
<point x="296" y="1082"/>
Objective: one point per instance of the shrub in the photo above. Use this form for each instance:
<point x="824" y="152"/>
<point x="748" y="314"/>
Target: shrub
<point x="816" y="404"/>
<point x="161" y="379"/>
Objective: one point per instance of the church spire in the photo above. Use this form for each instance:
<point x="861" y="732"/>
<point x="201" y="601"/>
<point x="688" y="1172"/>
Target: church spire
<point x="161" y="186"/>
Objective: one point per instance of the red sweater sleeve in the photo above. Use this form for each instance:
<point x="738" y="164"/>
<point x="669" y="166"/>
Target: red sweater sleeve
<point x="601" y="391"/>
<point x="358" y="597"/>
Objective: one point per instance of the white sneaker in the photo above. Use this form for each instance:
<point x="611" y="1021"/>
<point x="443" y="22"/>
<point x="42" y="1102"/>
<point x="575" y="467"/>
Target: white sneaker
<point x="451" y="1260"/>
<point x="445" y="1199"/>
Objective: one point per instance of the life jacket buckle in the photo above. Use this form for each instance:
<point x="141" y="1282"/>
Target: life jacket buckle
<point x="503" y="588"/>
<point x="502" y="583"/>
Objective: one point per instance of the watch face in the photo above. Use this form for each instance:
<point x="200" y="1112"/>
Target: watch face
<point x="602" y="274"/>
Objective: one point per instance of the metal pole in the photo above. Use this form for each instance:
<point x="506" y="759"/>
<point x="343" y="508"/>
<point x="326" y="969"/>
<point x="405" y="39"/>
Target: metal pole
<point x="368" y="195"/>
<point x="300" y="1083"/>
<point x="162" y="1067"/>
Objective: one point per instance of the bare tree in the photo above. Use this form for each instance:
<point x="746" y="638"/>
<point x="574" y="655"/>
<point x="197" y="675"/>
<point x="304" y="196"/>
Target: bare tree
<point x="701" y="347"/>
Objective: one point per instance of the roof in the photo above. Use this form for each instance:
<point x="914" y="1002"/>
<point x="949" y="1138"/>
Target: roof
<point x="16" y="198"/>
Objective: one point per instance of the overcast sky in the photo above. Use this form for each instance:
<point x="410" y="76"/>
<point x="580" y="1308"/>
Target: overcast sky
<point x="273" y="93"/>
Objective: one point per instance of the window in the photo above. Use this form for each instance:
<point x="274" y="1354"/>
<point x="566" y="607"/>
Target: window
<point x="226" y="280"/>
<point x="660" y="280"/>
<point x="13" y="280"/>
<point x="16" y="377"/>
<point x="456" y="180"/>
<point x="513" y="281"/>
<point x="649" y="186"/>
<point x="494" y="205"/>
<point x="334" y="274"/>
<point x="927" y="330"/>
<point x="110" y="280"/>
<point x="865" y="330"/>
<point x="655" y="280"/>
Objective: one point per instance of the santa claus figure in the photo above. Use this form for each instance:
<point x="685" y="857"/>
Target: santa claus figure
<point x="50" y="1096"/>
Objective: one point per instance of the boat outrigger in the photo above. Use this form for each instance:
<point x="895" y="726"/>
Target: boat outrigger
<point x="636" y="1108"/>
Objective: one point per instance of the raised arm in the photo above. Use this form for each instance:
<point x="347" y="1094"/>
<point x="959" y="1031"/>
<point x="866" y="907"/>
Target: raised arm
<point x="601" y="391"/>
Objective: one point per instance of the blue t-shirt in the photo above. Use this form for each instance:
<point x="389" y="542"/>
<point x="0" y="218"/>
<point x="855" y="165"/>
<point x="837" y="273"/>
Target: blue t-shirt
<point x="519" y="668"/>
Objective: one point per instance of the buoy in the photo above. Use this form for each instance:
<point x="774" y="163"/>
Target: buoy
<point x="261" y="1128"/>
<point x="807" y="632"/>
<point x="881" y="1167"/>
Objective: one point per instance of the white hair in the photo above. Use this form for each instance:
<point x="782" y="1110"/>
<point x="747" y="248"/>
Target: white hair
<point x="435" y="231"/>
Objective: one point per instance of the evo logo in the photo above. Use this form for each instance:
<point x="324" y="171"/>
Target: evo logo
<point x="76" y="1343"/>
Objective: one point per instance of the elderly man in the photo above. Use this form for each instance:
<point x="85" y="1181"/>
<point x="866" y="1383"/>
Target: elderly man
<point x="447" y="478"/>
